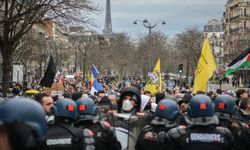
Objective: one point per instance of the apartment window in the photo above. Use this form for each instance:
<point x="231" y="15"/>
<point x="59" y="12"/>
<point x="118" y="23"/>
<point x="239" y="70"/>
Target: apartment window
<point x="241" y="12"/>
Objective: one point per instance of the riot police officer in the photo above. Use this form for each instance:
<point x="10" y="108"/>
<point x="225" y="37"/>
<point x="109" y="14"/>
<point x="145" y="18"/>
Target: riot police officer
<point x="63" y="135"/>
<point x="202" y="132"/>
<point x="104" y="135"/>
<point x="225" y="108"/>
<point x="22" y="124"/>
<point x="164" y="119"/>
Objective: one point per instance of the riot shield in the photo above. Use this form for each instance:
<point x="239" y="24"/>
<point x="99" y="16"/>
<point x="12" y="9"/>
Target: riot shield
<point x="105" y="113"/>
<point x="135" y="125"/>
<point x="127" y="129"/>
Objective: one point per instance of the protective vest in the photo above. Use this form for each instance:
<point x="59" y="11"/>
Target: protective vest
<point x="199" y="138"/>
<point x="66" y="137"/>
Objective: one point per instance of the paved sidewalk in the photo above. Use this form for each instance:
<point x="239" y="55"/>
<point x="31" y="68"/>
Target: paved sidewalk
<point x="213" y="87"/>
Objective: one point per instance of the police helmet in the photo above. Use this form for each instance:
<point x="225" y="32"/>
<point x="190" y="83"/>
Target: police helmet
<point x="27" y="118"/>
<point x="65" y="108"/>
<point x="168" y="109"/>
<point x="133" y="92"/>
<point x="201" y="111"/>
<point x="86" y="106"/>
<point x="224" y="104"/>
<point x="200" y="106"/>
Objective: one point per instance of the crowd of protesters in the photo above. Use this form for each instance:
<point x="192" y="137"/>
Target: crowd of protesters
<point x="77" y="114"/>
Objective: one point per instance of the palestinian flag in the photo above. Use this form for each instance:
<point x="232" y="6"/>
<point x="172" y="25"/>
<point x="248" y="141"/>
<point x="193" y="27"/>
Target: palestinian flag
<point x="243" y="60"/>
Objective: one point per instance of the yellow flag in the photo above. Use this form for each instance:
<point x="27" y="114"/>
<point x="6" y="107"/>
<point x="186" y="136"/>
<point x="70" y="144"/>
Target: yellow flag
<point x="154" y="83"/>
<point x="205" y="68"/>
<point x="88" y="74"/>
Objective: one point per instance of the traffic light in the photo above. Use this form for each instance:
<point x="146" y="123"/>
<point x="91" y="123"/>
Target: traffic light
<point x="180" y="68"/>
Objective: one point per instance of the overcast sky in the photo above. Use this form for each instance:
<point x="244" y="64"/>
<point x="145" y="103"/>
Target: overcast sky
<point x="179" y="14"/>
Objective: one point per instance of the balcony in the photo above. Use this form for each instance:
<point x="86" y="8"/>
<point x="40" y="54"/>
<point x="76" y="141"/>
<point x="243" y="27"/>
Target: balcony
<point x="238" y="17"/>
<point x="235" y="29"/>
<point x="246" y="16"/>
<point x="235" y="18"/>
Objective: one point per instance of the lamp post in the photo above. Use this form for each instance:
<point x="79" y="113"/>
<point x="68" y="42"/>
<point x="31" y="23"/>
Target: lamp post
<point x="149" y="26"/>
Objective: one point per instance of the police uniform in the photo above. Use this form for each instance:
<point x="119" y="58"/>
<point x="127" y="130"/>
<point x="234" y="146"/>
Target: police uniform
<point x="104" y="135"/>
<point x="148" y="138"/>
<point x="225" y="109"/>
<point x="66" y="137"/>
<point x="181" y="119"/>
<point x="63" y="135"/>
<point x="202" y="133"/>
<point x="152" y="135"/>
<point x="199" y="138"/>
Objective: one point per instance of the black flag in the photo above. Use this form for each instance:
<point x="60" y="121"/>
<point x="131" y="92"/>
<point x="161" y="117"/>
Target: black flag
<point x="50" y="73"/>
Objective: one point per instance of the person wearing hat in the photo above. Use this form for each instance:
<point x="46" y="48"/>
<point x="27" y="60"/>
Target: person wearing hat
<point x="183" y="104"/>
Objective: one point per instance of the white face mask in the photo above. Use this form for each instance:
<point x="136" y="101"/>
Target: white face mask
<point x="127" y="105"/>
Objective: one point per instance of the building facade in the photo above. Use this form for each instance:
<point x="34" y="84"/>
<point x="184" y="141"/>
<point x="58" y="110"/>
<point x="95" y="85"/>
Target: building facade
<point x="236" y="24"/>
<point x="47" y="38"/>
<point x="214" y="31"/>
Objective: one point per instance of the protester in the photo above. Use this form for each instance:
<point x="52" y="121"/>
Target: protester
<point x="241" y="94"/>
<point x="243" y="112"/>
<point x="47" y="103"/>
<point x="130" y="101"/>
<point x="183" y="104"/>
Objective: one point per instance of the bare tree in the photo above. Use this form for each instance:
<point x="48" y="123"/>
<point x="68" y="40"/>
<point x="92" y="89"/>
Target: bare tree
<point x="188" y="45"/>
<point x="120" y="53"/>
<point x="160" y="48"/>
<point x="84" y="44"/>
<point x="18" y="16"/>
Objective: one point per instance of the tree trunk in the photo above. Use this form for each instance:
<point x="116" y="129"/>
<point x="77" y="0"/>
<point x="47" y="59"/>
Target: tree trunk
<point x="6" y="75"/>
<point x="187" y="69"/>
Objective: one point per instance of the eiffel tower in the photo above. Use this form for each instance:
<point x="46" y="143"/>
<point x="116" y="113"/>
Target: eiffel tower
<point x="107" y="32"/>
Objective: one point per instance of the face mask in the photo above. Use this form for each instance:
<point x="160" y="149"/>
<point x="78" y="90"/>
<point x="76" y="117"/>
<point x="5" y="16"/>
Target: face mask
<point x="127" y="105"/>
